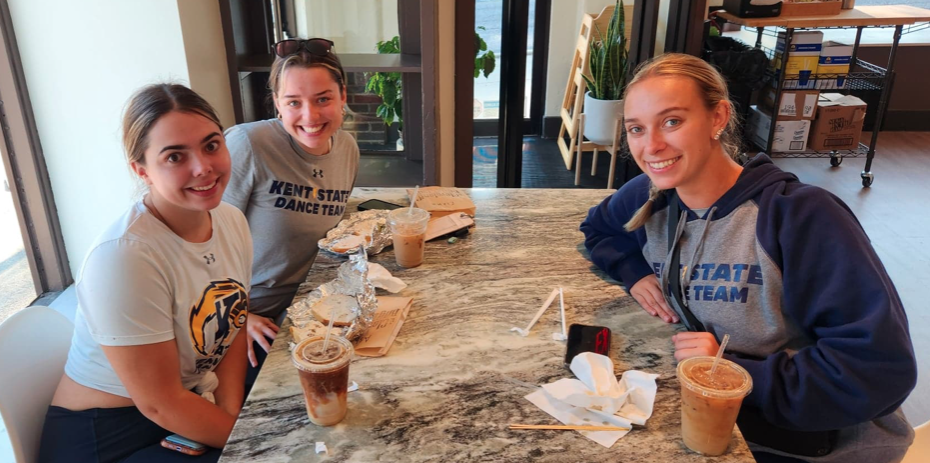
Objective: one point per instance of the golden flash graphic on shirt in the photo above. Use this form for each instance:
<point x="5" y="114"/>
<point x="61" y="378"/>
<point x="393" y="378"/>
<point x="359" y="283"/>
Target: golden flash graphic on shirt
<point x="221" y="311"/>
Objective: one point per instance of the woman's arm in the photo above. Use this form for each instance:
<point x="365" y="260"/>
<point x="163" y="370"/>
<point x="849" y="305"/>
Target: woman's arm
<point x="231" y="372"/>
<point x="861" y="365"/>
<point x="614" y="250"/>
<point x="151" y="375"/>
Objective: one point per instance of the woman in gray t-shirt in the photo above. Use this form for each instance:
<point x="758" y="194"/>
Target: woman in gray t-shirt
<point x="292" y="177"/>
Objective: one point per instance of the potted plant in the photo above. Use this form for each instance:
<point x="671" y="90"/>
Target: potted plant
<point x="388" y="85"/>
<point x="608" y="63"/>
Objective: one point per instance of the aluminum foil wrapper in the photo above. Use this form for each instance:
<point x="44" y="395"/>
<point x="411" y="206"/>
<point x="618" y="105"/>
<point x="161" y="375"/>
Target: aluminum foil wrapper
<point x="351" y="280"/>
<point x="367" y="227"/>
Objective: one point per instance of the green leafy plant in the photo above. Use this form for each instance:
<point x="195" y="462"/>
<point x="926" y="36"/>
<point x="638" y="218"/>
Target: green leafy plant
<point x="608" y="59"/>
<point x="485" y="60"/>
<point x="387" y="85"/>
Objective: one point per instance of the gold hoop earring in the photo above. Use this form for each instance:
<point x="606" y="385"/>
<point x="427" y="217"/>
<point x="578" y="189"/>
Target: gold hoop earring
<point x="718" y="134"/>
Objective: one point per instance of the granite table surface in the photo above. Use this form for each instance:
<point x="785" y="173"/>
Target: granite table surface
<point x="456" y="375"/>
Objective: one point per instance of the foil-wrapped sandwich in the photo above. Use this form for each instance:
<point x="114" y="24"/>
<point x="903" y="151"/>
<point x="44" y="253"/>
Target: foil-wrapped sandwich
<point x="349" y="299"/>
<point x="366" y="228"/>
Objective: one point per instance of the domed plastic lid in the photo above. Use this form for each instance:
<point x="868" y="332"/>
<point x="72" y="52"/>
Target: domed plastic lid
<point x="728" y="381"/>
<point x="310" y="356"/>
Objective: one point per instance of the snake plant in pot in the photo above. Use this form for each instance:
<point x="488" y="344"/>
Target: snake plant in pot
<point x="608" y="63"/>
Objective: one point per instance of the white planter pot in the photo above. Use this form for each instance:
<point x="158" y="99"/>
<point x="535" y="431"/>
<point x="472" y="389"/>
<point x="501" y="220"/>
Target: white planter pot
<point x="600" y="119"/>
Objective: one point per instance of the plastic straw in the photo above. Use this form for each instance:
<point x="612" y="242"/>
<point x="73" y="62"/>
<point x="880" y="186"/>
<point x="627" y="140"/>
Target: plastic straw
<point x="723" y="345"/>
<point x="329" y="330"/>
<point x="413" y="199"/>
<point x="524" y="332"/>
<point x="562" y="308"/>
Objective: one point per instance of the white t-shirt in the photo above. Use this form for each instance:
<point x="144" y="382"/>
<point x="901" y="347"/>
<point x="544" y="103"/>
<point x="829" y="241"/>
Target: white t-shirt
<point x="143" y="284"/>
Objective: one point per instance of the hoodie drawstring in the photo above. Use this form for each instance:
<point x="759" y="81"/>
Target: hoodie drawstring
<point x="698" y="247"/>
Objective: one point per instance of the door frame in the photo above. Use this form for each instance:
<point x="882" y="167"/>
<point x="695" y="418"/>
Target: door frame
<point x="26" y="170"/>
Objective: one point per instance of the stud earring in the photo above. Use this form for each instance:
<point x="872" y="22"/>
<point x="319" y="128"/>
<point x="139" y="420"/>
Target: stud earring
<point x="718" y="134"/>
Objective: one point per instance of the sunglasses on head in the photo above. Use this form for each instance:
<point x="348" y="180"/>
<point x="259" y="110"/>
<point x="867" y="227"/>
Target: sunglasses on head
<point x="316" y="47"/>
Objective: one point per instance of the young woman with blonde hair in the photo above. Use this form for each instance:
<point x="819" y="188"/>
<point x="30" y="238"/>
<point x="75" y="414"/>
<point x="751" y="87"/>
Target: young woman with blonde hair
<point x="784" y="268"/>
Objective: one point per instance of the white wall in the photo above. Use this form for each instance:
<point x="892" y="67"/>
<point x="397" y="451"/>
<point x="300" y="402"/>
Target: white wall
<point x="564" y="24"/>
<point x="355" y="26"/>
<point x="82" y="60"/>
<point x="205" y="52"/>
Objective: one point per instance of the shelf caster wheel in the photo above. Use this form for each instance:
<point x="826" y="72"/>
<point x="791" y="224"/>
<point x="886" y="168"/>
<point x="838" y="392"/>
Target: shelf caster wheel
<point x="867" y="179"/>
<point x="835" y="161"/>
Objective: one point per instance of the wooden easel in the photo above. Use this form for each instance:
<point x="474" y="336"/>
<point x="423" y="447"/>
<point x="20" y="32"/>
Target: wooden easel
<point x="575" y="89"/>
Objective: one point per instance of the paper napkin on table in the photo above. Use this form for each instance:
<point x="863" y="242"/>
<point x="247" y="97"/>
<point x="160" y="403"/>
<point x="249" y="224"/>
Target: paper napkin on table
<point x="596" y="398"/>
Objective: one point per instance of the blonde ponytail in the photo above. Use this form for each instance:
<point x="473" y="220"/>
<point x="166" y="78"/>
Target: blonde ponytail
<point x="645" y="211"/>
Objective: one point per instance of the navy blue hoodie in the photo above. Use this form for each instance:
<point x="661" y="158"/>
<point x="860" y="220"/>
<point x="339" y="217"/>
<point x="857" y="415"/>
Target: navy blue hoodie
<point x="787" y="270"/>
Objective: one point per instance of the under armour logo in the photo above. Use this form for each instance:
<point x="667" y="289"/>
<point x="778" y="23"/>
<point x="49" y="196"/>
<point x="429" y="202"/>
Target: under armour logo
<point x="317" y="173"/>
<point x="210" y="259"/>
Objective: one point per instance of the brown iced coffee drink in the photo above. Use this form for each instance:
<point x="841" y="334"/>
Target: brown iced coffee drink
<point x="324" y="376"/>
<point x="710" y="403"/>
<point x="408" y="228"/>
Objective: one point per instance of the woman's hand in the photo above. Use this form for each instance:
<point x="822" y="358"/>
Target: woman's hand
<point x="647" y="292"/>
<point x="692" y="344"/>
<point x="260" y="329"/>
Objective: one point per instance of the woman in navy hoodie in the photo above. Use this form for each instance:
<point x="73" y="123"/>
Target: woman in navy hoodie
<point x="784" y="268"/>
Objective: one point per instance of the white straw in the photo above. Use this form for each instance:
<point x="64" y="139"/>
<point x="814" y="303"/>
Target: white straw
<point x="562" y="308"/>
<point x="555" y="292"/>
<point x="329" y="329"/>
<point x="723" y="345"/>
<point x="413" y="199"/>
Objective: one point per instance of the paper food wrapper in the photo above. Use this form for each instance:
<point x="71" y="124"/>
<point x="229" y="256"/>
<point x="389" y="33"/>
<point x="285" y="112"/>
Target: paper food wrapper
<point x="596" y="398"/>
<point x="446" y="224"/>
<point x="440" y="201"/>
<point x="390" y="316"/>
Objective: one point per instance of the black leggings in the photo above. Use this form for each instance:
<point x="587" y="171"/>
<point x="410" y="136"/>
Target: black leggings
<point x="103" y="435"/>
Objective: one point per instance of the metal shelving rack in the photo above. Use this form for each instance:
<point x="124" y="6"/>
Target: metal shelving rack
<point x="863" y="75"/>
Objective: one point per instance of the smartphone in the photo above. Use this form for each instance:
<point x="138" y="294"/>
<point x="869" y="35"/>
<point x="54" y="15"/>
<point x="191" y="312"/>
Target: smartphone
<point x="377" y="204"/>
<point x="183" y="445"/>
<point x="585" y="338"/>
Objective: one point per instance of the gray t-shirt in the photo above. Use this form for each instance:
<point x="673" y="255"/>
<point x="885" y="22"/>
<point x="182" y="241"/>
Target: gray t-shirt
<point x="291" y="199"/>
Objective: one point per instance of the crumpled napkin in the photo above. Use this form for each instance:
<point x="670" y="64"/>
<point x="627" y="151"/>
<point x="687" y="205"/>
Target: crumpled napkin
<point x="382" y="278"/>
<point x="597" y="398"/>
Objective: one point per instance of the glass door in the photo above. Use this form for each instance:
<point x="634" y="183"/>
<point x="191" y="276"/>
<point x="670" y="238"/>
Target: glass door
<point x="487" y="102"/>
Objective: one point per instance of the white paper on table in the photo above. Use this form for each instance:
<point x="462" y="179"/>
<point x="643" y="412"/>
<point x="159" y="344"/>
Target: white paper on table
<point x="597" y="398"/>
<point x="380" y="277"/>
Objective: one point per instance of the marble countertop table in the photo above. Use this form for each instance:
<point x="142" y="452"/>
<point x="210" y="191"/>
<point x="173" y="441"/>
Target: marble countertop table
<point x="456" y="375"/>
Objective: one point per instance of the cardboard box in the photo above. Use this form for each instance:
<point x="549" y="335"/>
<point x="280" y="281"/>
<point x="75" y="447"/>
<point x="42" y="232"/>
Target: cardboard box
<point x="811" y="7"/>
<point x="790" y="136"/>
<point x="839" y="122"/>
<point x="791" y="102"/>
<point x="802" y="42"/>
<point x="803" y="57"/>
<point x="834" y="59"/>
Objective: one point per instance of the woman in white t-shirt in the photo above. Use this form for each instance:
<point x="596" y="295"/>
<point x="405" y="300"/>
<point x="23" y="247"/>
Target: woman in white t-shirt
<point x="162" y="294"/>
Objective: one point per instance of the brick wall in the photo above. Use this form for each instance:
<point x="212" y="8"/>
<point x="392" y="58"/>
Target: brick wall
<point x="368" y="129"/>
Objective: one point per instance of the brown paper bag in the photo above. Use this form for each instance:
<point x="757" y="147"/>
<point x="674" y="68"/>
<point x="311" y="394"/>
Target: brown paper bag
<point x="440" y="201"/>
<point x="390" y="316"/>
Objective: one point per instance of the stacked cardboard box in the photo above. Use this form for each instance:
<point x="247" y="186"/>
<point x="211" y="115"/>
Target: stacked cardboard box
<point x="834" y="59"/>
<point x="839" y="122"/>
<point x="790" y="134"/>
<point x="803" y="57"/>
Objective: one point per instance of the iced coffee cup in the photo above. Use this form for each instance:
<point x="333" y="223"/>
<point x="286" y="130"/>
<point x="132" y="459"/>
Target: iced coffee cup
<point x="324" y="376"/>
<point x="710" y="403"/>
<point x="408" y="227"/>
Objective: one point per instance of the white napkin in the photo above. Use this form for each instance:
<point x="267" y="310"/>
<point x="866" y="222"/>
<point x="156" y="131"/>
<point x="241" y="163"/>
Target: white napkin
<point x="596" y="398"/>
<point x="382" y="278"/>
